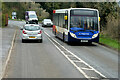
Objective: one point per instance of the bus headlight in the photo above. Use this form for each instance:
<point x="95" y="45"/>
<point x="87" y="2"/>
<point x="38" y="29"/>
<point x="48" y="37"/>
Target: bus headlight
<point x="95" y="35"/>
<point x="73" y="35"/>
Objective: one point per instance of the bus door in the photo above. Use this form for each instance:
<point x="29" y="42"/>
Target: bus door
<point x="65" y="25"/>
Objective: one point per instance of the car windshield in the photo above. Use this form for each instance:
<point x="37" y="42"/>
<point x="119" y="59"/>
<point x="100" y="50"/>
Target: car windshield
<point x="33" y="16"/>
<point x="32" y="28"/>
<point x="47" y="20"/>
<point x="89" y="23"/>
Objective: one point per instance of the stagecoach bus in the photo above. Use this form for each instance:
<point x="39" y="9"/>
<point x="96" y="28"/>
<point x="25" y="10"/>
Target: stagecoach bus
<point x="76" y="24"/>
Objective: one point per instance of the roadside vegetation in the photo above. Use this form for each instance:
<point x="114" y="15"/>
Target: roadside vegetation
<point x="0" y="14"/>
<point x="109" y="14"/>
<point x="20" y="8"/>
<point x="109" y="42"/>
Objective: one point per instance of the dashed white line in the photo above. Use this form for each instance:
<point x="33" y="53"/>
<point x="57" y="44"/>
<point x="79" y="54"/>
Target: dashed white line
<point x="86" y="68"/>
<point x="76" y="61"/>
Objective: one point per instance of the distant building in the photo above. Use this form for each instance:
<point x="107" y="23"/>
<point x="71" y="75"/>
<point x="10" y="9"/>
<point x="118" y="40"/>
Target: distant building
<point x="14" y="15"/>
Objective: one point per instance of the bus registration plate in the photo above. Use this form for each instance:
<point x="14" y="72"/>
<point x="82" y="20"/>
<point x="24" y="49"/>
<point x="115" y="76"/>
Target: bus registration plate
<point x="84" y="40"/>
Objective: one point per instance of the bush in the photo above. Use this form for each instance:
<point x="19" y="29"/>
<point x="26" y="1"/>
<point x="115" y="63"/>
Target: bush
<point x="112" y="26"/>
<point x="3" y="19"/>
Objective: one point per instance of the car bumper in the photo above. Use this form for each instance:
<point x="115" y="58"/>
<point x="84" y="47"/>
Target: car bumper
<point x="32" y="37"/>
<point x="47" y="25"/>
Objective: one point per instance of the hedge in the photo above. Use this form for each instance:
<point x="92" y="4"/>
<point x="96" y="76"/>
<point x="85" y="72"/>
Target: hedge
<point x="3" y="19"/>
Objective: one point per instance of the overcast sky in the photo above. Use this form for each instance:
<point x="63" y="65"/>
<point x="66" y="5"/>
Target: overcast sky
<point x="117" y="0"/>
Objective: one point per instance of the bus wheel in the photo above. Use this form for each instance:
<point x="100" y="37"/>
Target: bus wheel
<point x="63" y="37"/>
<point x="89" y="43"/>
<point x="55" y="33"/>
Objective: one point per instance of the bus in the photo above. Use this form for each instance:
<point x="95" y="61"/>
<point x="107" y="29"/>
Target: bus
<point x="76" y="24"/>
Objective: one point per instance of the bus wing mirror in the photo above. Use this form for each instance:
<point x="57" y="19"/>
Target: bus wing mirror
<point x="99" y="18"/>
<point x="65" y="17"/>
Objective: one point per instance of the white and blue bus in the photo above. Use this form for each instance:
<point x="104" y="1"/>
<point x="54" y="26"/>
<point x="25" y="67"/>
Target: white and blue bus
<point x="76" y="24"/>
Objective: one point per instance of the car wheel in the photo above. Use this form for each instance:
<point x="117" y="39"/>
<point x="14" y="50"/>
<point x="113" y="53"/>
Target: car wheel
<point x="26" y="22"/>
<point x="40" y="41"/>
<point x="23" y="41"/>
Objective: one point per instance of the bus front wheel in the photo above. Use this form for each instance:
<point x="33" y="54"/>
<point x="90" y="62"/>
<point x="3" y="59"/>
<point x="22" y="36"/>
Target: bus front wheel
<point x="55" y="33"/>
<point x="63" y="37"/>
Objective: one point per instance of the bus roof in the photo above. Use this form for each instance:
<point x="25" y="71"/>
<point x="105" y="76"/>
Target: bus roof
<point x="64" y="10"/>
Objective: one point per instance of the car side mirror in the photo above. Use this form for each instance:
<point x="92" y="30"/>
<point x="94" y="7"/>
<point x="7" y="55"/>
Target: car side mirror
<point x="21" y="29"/>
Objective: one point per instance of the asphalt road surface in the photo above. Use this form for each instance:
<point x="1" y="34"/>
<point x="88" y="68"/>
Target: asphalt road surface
<point x="47" y="59"/>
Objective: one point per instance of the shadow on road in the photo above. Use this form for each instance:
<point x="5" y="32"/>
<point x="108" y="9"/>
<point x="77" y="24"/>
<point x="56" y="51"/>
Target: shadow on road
<point x="81" y="44"/>
<point x="47" y="26"/>
<point x="77" y="43"/>
<point x="31" y="41"/>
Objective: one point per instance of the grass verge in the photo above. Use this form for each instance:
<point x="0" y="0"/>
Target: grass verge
<point x="109" y="42"/>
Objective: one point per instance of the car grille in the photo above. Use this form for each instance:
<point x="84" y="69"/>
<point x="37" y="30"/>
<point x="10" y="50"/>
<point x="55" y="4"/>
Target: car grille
<point x="48" y="24"/>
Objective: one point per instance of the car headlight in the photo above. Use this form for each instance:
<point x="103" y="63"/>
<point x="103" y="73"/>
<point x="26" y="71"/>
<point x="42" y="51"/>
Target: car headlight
<point x="45" y="23"/>
<point x="73" y="35"/>
<point x="95" y="35"/>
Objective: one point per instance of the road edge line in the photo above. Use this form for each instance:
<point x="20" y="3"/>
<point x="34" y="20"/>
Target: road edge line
<point x="9" y="55"/>
<point x="84" y="74"/>
<point x="77" y="57"/>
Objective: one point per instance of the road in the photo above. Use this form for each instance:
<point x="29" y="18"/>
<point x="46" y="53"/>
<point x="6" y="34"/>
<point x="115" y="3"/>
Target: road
<point x="47" y="59"/>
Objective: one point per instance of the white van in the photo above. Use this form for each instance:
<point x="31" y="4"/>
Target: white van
<point x="31" y="17"/>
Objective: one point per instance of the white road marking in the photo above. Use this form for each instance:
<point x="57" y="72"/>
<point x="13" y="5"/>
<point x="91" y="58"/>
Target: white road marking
<point x="86" y="68"/>
<point x="94" y="77"/>
<point x="70" y="60"/>
<point x="9" y="55"/>
<point x="76" y="61"/>
<point x="80" y="69"/>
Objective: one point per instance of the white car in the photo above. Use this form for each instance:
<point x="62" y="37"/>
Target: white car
<point x="47" y="22"/>
<point x="31" y="32"/>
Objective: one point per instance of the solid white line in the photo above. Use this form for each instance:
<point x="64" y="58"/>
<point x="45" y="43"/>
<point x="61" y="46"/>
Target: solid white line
<point x="89" y="65"/>
<point x="80" y="70"/>
<point x="83" y="61"/>
<point x="9" y="54"/>
<point x="77" y="57"/>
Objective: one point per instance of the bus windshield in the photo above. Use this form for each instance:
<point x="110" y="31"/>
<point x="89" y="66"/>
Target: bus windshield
<point x="89" y="23"/>
<point x="85" y="19"/>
